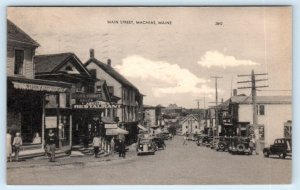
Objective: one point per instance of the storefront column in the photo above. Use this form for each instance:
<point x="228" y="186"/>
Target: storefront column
<point x="43" y="121"/>
<point x="71" y="130"/>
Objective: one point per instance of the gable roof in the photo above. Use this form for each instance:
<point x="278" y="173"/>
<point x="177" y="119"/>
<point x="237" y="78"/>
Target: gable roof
<point x="51" y="62"/>
<point x="112" y="72"/>
<point x="189" y="116"/>
<point x="16" y="34"/>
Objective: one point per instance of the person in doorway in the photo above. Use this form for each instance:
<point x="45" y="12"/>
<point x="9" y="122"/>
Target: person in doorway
<point x="8" y="146"/>
<point x="17" y="143"/>
<point x="112" y="146"/>
<point x="51" y="141"/>
<point x="96" y="145"/>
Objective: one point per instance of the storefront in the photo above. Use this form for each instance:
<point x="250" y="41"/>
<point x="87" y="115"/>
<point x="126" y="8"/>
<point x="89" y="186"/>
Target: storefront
<point x="88" y="119"/>
<point x="35" y="106"/>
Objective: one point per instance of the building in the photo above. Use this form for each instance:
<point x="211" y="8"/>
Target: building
<point x="190" y="125"/>
<point x="130" y="100"/>
<point x="273" y="114"/>
<point x="30" y="110"/>
<point x="92" y="108"/>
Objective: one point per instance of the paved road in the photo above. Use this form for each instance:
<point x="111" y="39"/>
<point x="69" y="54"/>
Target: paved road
<point x="178" y="164"/>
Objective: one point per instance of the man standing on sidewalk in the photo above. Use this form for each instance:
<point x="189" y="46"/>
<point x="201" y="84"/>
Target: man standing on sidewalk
<point x="51" y="145"/>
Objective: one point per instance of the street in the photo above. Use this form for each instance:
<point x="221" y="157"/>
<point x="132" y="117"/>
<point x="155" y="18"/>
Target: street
<point x="178" y="164"/>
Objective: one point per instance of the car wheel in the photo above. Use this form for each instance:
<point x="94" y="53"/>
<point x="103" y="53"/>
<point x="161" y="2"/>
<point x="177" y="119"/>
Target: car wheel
<point x="221" y="146"/>
<point x="266" y="154"/>
<point x="282" y="155"/>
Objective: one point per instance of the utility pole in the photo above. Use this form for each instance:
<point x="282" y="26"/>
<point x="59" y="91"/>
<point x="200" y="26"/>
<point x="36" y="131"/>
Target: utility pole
<point x="216" y="111"/>
<point x="254" y="87"/>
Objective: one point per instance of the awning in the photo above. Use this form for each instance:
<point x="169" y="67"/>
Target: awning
<point x="116" y="131"/>
<point x="142" y="127"/>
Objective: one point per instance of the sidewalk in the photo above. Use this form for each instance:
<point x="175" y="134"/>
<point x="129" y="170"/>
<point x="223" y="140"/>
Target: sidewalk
<point x="42" y="163"/>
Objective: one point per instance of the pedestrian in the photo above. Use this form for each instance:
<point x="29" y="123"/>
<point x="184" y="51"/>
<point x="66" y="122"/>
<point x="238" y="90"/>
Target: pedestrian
<point x="252" y="144"/>
<point x="96" y="145"/>
<point x="122" y="148"/>
<point x="8" y="146"/>
<point x="185" y="139"/>
<point x="17" y="143"/>
<point x="51" y="141"/>
<point x="112" y="146"/>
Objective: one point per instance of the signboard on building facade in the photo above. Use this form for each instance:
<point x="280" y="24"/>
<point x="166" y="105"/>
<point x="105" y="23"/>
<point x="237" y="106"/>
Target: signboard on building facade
<point x="96" y="105"/>
<point x="38" y="87"/>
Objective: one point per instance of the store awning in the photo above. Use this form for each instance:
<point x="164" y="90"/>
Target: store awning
<point x="142" y="127"/>
<point x="116" y="131"/>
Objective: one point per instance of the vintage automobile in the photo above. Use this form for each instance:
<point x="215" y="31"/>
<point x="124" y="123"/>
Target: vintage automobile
<point x="239" y="145"/>
<point x="159" y="143"/>
<point x="145" y="145"/>
<point x="214" y="143"/>
<point x="281" y="147"/>
<point x="204" y="140"/>
<point x="223" y="143"/>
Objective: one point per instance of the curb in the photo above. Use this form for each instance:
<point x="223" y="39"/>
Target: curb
<point x="70" y="165"/>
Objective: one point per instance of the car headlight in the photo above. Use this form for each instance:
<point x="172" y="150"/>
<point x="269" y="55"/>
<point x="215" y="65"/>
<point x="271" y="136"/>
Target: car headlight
<point x="141" y="145"/>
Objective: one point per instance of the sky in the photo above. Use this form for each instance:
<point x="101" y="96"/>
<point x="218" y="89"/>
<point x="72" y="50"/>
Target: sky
<point x="173" y="63"/>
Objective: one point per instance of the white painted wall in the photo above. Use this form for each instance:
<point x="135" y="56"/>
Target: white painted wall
<point x="191" y="125"/>
<point x="273" y="120"/>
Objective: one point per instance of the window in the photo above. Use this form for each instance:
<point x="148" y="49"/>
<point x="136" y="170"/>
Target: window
<point x="260" y="109"/>
<point x="19" y="62"/>
<point x="111" y="89"/>
<point x="93" y="73"/>
<point x="98" y="89"/>
<point x="261" y="129"/>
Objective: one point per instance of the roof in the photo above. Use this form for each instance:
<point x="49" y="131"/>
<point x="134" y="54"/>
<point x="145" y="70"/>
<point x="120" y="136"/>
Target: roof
<point x="16" y="34"/>
<point x="189" y="116"/>
<point x="50" y="62"/>
<point x="112" y="72"/>
<point x="262" y="99"/>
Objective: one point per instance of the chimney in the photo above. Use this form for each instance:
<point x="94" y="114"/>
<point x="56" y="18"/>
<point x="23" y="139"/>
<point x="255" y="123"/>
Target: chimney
<point x="109" y="62"/>
<point x="234" y="92"/>
<point x="92" y="53"/>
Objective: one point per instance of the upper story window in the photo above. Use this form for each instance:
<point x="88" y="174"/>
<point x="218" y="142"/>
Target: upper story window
<point x="260" y="109"/>
<point x="110" y="89"/>
<point x="19" y="62"/>
<point x="98" y="89"/>
<point x="93" y="73"/>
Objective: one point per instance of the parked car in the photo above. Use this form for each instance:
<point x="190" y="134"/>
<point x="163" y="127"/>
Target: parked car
<point x="159" y="143"/>
<point x="239" y="145"/>
<point x="214" y="143"/>
<point x="145" y="146"/>
<point x="223" y="143"/>
<point x="204" y="140"/>
<point x="281" y="147"/>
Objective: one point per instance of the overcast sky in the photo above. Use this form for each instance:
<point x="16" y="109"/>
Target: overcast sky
<point x="172" y="63"/>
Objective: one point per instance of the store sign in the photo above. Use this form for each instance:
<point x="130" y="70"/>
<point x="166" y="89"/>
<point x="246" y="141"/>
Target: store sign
<point x="86" y="96"/>
<point x="38" y="87"/>
<point x="96" y="105"/>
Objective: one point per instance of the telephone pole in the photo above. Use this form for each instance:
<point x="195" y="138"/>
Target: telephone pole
<point x="253" y="88"/>
<point x="216" y="111"/>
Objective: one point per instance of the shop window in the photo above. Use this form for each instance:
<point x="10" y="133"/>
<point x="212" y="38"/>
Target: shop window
<point x="19" y="62"/>
<point x="51" y="101"/>
<point x="62" y="100"/>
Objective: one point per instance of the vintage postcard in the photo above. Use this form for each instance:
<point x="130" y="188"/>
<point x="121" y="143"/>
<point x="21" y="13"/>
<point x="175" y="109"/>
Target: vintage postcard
<point x="149" y="95"/>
